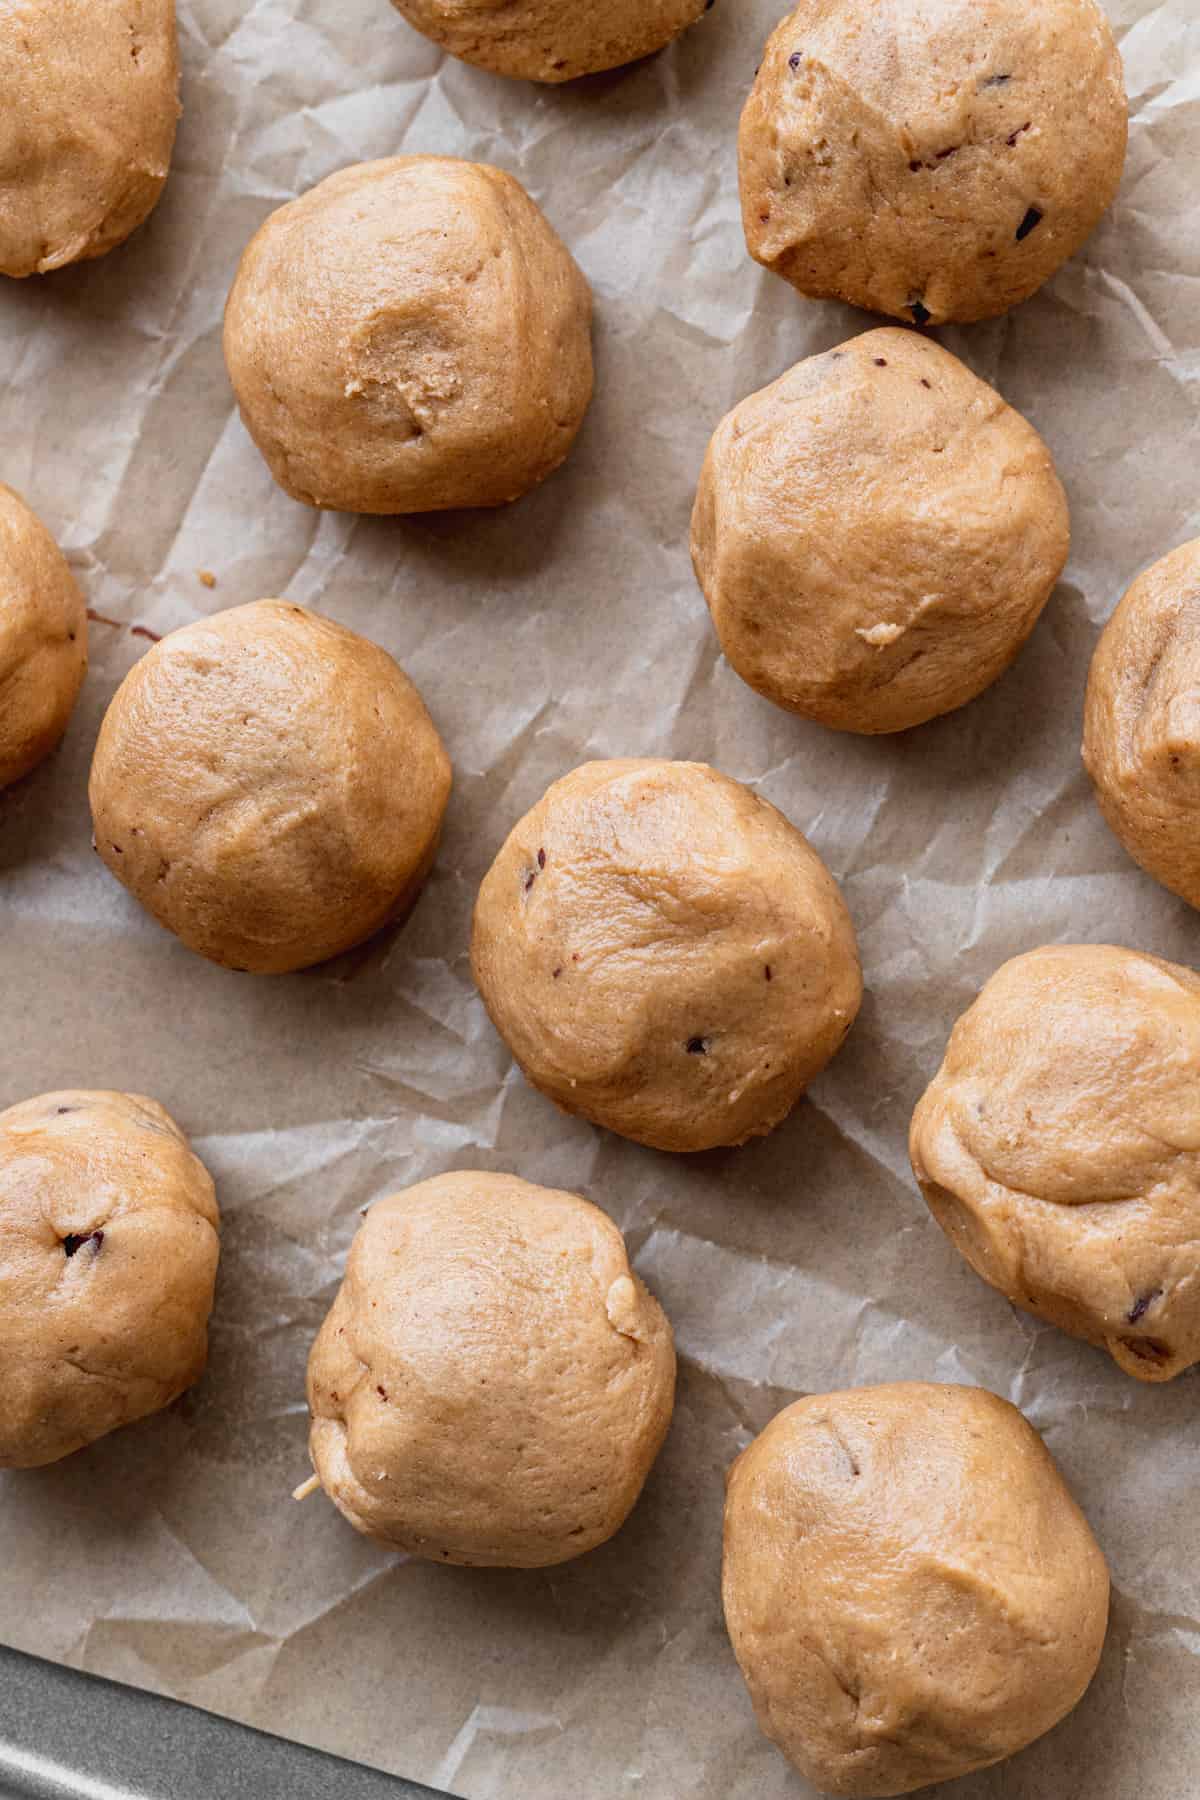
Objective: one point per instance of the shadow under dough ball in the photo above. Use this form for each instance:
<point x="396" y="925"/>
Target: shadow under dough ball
<point x="1141" y="740"/>
<point x="108" y="1256"/>
<point x="663" y="953"/>
<point x="876" y="534"/>
<point x="410" y="336"/>
<point x="493" y="1382"/>
<point x="550" y="40"/>
<point x="1058" y="1147"/>
<point x="270" y="786"/>
<point x="911" y="1591"/>
<point x="91" y="102"/>
<point x="931" y="159"/>
<point x="43" y="640"/>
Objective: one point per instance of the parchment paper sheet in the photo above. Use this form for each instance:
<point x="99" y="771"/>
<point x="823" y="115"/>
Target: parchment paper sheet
<point x="565" y="627"/>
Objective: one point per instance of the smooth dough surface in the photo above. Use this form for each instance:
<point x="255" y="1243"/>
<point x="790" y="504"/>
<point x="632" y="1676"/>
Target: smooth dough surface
<point x="409" y="336"/>
<point x="550" y="40"/>
<point x="876" y="534"/>
<point x="911" y="1591"/>
<point x="1141" y="740"/>
<point x="664" y="953"/>
<point x="1059" y="1148"/>
<point x="493" y="1382"/>
<point x="934" y="160"/>
<point x="43" y="640"/>
<point x="270" y="786"/>
<point x="90" y="92"/>
<point x="108" y="1256"/>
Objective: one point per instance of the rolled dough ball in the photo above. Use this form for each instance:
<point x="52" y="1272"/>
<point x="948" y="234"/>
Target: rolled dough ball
<point x="911" y="1591"/>
<point x="931" y="159"/>
<point x="493" y="1382"/>
<point x="410" y="336"/>
<point x="549" y="40"/>
<point x="91" y="102"/>
<point x="876" y="534"/>
<point x="43" y="640"/>
<point x="108" y="1255"/>
<point x="664" y="953"/>
<point x="270" y="786"/>
<point x="1141" y="741"/>
<point x="1057" y="1148"/>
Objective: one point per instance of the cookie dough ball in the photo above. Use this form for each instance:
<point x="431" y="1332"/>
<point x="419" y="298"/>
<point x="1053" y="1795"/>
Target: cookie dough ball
<point x="43" y="640"/>
<point x="911" y="1591"/>
<point x="91" y="102"/>
<point x="550" y="40"/>
<point x="1056" y="1148"/>
<point x="664" y="954"/>
<point x="1141" y="740"/>
<point x="410" y="336"/>
<point x="108" y="1255"/>
<point x="931" y="159"/>
<point x="270" y="786"/>
<point x="493" y="1382"/>
<point x="876" y="534"/>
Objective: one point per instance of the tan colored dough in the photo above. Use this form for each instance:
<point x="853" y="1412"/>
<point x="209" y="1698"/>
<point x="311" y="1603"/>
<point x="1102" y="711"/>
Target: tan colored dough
<point x="550" y="40"/>
<point x="493" y="1382"/>
<point x="270" y="786"/>
<point x="1141" y="741"/>
<point x="1059" y="1148"/>
<point x="664" y="953"/>
<point x="108" y="1256"/>
<point x="90" y="93"/>
<point x="911" y="1591"/>
<point x="409" y="336"/>
<point x="876" y="534"/>
<point x="43" y="640"/>
<point x="931" y="159"/>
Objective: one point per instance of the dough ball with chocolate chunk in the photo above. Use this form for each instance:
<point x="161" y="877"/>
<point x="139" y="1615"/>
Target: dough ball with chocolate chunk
<point x="550" y="40"/>
<point x="270" y="786"/>
<point x="43" y="640"/>
<point x="664" y="953"/>
<point x="1058" y="1147"/>
<point x="409" y="336"/>
<point x="1141" y="739"/>
<point x="911" y="1591"/>
<point x="932" y="159"/>
<point x="108" y="1255"/>
<point x="493" y="1382"/>
<point x="91" y="102"/>
<point x="876" y="534"/>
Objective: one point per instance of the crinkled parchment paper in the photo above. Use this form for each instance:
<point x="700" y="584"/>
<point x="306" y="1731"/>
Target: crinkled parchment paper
<point x="565" y="627"/>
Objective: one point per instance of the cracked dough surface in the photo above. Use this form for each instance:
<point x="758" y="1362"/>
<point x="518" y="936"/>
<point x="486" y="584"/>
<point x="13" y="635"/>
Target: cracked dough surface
<point x="270" y="786"/>
<point x="550" y="40"/>
<point x="934" y="160"/>
<point x="1059" y="1148"/>
<point x="876" y="534"/>
<point x="911" y="1591"/>
<point x="43" y="640"/>
<point x="108" y="1256"/>
<point x="410" y="335"/>
<point x="493" y="1381"/>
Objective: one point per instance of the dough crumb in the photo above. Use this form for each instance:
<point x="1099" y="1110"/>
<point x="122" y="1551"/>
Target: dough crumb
<point x="880" y="635"/>
<point x="206" y="578"/>
<point x="622" y="1308"/>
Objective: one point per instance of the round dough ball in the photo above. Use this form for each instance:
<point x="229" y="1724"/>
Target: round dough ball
<point x="911" y="1591"/>
<point x="493" y="1383"/>
<point x="876" y="534"/>
<point x="1058" y="1147"/>
<point x="43" y="640"/>
<point x="1141" y="740"/>
<point x="410" y="336"/>
<point x="270" y="786"/>
<point x="91" y="102"/>
<point x="108" y="1256"/>
<point x="550" y="40"/>
<point x="664" y="954"/>
<point x="931" y="159"/>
